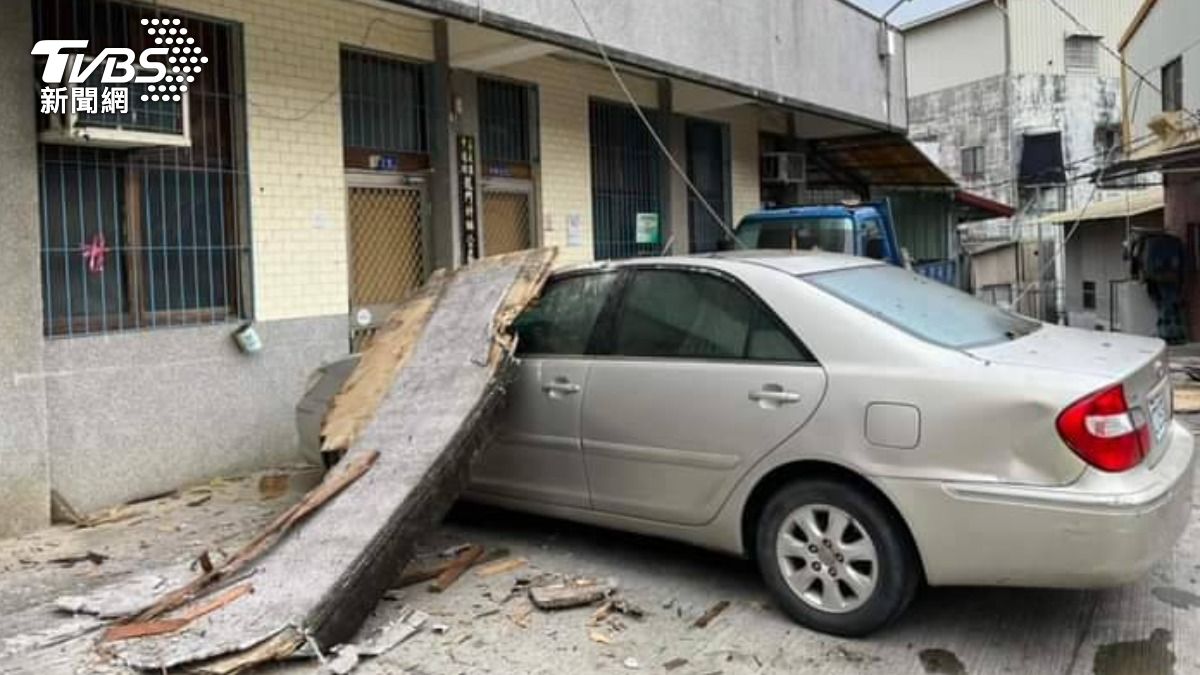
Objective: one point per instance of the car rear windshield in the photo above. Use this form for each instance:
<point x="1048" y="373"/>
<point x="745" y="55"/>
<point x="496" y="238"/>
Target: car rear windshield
<point x="928" y="309"/>
<point x="799" y="234"/>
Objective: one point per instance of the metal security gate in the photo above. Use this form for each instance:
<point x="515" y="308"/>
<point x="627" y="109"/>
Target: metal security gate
<point x="507" y="219"/>
<point x="387" y="254"/>
<point x="625" y="183"/>
<point x="708" y="169"/>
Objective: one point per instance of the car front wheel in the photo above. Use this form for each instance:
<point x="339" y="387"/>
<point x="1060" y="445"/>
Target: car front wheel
<point x="835" y="558"/>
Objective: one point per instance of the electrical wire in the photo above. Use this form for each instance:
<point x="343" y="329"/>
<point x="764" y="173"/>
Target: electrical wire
<point x="362" y="44"/>
<point x="1070" y="233"/>
<point x="653" y="132"/>
<point x="1115" y="54"/>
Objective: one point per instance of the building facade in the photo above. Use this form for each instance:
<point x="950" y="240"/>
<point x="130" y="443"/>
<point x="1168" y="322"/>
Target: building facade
<point x="175" y="271"/>
<point x="1018" y="99"/>
<point x="1161" y="90"/>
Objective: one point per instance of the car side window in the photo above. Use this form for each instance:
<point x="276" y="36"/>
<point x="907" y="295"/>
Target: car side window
<point x="561" y="320"/>
<point x="686" y="314"/>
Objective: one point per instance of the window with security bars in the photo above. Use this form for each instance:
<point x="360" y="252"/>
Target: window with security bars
<point x="1082" y="55"/>
<point x="147" y="236"/>
<point x="384" y="110"/>
<point x="1172" y="86"/>
<point x="972" y="163"/>
<point x="504" y="128"/>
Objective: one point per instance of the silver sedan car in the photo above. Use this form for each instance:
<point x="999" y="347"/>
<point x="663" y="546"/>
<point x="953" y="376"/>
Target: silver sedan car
<point x="856" y="429"/>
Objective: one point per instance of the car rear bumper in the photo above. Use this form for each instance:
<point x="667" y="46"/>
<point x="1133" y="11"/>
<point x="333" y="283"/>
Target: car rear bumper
<point x="1103" y="529"/>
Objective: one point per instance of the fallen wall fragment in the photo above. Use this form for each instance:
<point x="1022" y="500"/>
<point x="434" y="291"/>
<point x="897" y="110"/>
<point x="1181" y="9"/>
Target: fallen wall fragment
<point x="414" y="412"/>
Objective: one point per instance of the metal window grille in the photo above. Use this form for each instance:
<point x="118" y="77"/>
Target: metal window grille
<point x="708" y="168"/>
<point x="972" y="162"/>
<point x="147" y="236"/>
<point x="1172" y="86"/>
<point x="384" y="103"/>
<point x="1082" y="53"/>
<point x="503" y="121"/>
<point x="625" y="180"/>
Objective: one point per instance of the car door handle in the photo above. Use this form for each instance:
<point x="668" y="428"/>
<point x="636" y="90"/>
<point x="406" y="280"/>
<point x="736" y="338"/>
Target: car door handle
<point x="773" y="394"/>
<point x="560" y="387"/>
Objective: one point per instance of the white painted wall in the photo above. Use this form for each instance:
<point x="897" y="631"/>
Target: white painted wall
<point x="958" y="49"/>
<point x="1039" y="31"/>
<point x="1171" y="27"/>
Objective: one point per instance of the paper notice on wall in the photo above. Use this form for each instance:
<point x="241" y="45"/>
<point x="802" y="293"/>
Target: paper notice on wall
<point x="647" y="231"/>
<point x="574" y="230"/>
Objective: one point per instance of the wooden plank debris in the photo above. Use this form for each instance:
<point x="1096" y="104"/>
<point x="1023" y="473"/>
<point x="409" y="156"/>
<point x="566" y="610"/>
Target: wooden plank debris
<point x="712" y="613"/>
<point x="500" y="567"/>
<point x="127" y="631"/>
<point x="456" y="568"/>
<point x="419" y="405"/>
<point x="567" y="594"/>
<point x="417" y="571"/>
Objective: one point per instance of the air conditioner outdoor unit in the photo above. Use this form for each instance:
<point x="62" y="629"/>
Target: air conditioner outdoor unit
<point x="783" y="167"/>
<point x="145" y="124"/>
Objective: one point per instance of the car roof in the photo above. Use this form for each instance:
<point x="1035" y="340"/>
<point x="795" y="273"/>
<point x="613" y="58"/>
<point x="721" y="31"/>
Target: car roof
<point x="792" y="263"/>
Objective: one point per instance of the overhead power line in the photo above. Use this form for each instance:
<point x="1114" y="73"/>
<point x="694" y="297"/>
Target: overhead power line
<point x="653" y="132"/>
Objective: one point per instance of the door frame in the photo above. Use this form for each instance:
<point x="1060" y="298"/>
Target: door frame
<point x="523" y="186"/>
<point x="394" y="181"/>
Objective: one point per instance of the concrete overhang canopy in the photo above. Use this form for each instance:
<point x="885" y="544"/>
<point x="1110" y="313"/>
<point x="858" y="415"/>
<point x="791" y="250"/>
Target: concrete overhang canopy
<point x="882" y="159"/>
<point x="1133" y="203"/>
<point x="972" y="207"/>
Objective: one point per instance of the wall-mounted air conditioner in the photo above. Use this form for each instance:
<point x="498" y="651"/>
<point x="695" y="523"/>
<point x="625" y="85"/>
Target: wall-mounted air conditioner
<point x="782" y="167"/>
<point x="144" y="124"/>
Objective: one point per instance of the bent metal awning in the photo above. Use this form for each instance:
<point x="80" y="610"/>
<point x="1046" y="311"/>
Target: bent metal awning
<point x="880" y="159"/>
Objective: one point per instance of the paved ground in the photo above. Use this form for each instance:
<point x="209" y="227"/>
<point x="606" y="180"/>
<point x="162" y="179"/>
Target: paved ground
<point x="1150" y="628"/>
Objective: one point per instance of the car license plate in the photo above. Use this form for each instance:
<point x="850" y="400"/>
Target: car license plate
<point x="1160" y="413"/>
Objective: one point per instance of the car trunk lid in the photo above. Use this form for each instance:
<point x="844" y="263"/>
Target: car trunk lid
<point x="1138" y="363"/>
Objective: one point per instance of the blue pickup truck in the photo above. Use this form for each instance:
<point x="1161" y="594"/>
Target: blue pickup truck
<point x="863" y="229"/>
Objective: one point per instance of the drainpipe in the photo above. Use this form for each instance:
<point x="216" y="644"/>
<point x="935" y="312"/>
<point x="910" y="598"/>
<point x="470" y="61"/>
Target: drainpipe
<point x="885" y="54"/>
<point x="1014" y="191"/>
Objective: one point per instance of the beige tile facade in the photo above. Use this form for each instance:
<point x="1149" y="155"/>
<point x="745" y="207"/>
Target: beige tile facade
<point x="297" y="184"/>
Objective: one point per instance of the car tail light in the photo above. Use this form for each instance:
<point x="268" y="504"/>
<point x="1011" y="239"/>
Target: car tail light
<point x="1104" y="432"/>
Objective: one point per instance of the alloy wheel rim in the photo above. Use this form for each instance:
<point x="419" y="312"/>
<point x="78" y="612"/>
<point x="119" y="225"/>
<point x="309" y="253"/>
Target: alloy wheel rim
<point x="827" y="558"/>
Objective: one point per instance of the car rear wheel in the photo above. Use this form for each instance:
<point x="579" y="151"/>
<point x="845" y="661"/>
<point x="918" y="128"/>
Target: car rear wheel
<point x="835" y="558"/>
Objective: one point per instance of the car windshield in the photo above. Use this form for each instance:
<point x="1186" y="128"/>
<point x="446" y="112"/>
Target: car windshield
<point x="835" y="235"/>
<point x="928" y="309"/>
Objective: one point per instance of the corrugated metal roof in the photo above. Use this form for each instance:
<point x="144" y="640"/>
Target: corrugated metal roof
<point x="1130" y="205"/>
<point x="882" y="160"/>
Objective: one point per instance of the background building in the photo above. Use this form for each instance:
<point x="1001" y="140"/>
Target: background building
<point x="331" y="153"/>
<point x="1017" y="100"/>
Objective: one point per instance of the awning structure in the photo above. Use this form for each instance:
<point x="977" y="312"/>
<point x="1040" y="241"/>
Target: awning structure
<point x="972" y="207"/>
<point x="1174" y="145"/>
<point x="1133" y="203"/>
<point x="882" y="159"/>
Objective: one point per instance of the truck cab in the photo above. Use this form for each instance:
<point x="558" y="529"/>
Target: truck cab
<point x="854" y="229"/>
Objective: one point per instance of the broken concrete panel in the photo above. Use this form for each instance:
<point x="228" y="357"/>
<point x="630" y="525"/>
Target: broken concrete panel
<point x="321" y="581"/>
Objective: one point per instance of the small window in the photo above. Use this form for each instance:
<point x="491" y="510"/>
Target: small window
<point x="1172" y="86"/>
<point x="679" y="314"/>
<point x="1082" y="54"/>
<point x="561" y="321"/>
<point x="972" y="163"/>
<point x="1089" y="295"/>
